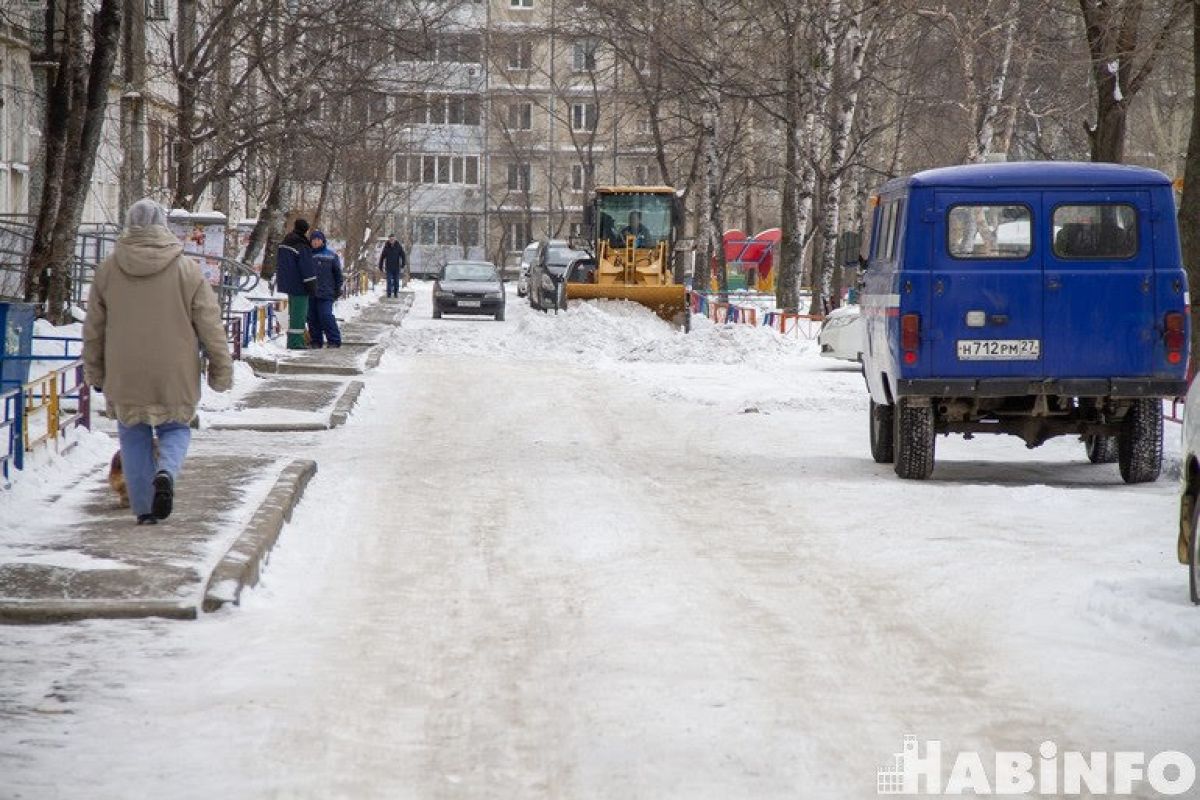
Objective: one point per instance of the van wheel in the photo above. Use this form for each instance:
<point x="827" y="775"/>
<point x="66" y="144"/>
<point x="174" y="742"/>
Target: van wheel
<point x="914" y="441"/>
<point x="1139" y="446"/>
<point x="1101" y="449"/>
<point x="883" y="433"/>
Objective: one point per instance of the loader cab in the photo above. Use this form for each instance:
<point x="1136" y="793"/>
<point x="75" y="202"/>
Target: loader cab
<point x="1036" y="299"/>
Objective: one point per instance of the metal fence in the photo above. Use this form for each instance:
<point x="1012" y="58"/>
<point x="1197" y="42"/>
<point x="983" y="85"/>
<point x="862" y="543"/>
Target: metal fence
<point x="43" y="412"/>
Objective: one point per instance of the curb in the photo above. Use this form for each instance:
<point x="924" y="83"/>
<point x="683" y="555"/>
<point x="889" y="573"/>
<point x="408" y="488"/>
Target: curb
<point x="345" y="404"/>
<point x="41" y="612"/>
<point x="374" y="355"/>
<point x="242" y="564"/>
<point x="266" y="366"/>
<point x="341" y="411"/>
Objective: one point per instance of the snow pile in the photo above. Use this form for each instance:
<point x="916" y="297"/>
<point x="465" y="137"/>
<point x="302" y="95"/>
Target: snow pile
<point x="44" y="347"/>
<point x="601" y="331"/>
<point x="244" y="382"/>
<point x="49" y="471"/>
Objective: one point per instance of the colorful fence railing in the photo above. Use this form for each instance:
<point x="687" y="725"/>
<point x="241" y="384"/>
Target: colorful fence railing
<point x="748" y="309"/>
<point x="788" y="322"/>
<point x="357" y="282"/>
<point x="43" y="413"/>
<point x="723" y="311"/>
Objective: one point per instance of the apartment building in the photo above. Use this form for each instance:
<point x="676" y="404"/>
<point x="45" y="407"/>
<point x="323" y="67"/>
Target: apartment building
<point x="21" y="29"/>
<point x="526" y="120"/>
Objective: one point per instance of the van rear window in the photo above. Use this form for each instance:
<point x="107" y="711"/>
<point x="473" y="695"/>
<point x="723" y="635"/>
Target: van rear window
<point x="1107" y="231"/>
<point x="983" y="231"/>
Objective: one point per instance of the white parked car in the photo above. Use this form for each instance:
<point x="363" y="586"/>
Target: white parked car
<point x="1189" y="499"/>
<point x="526" y="260"/>
<point x="843" y="334"/>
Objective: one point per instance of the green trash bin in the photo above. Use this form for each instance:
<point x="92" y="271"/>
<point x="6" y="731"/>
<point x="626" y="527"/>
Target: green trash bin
<point x="16" y="345"/>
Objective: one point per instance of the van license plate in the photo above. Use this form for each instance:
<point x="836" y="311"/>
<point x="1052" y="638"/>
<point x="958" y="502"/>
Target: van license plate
<point x="999" y="349"/>
<point x="469" y="303"/>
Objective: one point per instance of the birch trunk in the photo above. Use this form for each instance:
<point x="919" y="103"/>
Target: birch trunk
<point x="985" y="128"/>
<point x="855" y="42"/>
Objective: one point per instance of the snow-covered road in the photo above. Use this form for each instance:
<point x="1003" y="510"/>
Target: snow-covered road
<point x="586" y="556"/>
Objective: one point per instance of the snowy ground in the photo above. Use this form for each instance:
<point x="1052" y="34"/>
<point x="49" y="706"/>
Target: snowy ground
<point x="588" y="556"/>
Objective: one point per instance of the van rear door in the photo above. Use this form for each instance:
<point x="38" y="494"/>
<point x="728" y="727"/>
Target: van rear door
<point x="1099" y="301"/>
<point x="986" y="286"/>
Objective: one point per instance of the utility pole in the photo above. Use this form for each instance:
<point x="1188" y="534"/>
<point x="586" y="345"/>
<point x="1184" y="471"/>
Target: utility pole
<point x="133" y="106"/>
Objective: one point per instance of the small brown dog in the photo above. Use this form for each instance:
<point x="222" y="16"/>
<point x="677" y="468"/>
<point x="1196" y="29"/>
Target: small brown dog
<point x="116" y="477"/>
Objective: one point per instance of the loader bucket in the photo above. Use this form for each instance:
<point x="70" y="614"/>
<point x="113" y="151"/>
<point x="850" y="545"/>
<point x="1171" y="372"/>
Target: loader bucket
<point x="669" y="302"/>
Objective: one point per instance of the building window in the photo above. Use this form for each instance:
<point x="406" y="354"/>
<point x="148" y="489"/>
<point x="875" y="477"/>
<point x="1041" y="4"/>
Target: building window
<point x="577" y="177"/>
<point x="520" y="116"/>
<point x="437" y="169"/>
<point x="457" y="111"/>
<point x="435" y="110"/>
<point x="518" y="177"/>
<point x="156" y="9"/>
<point x="520" y="54"/>
<point x="459" y="48"/>
<point x="377" y="107"/>
<point x="426" y="230"/>
<point x="517" y="235"/>
<point x="469" y="231"/>
<point x="584" y="56"/>
<point x="447" y="232"/>
<point x="583" y="117"/>
<point x="641" y="175"/>
<point x="520" y="3"/>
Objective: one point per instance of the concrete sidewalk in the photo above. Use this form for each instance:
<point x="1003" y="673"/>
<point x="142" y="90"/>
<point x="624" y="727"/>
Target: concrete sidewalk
<point x="232" y="500"/>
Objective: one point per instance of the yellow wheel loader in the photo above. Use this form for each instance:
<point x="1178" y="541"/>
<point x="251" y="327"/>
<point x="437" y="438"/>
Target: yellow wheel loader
<point x="632" y="233"/>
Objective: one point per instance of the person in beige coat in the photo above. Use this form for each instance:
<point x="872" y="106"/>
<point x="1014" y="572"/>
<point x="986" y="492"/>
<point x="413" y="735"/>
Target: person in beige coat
<point x="149" y="313"/>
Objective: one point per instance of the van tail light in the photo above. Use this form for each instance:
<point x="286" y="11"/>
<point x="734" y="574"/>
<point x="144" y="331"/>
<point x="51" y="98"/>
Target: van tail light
<point x="910" y="337"/>
<point x="1173" y="336"/>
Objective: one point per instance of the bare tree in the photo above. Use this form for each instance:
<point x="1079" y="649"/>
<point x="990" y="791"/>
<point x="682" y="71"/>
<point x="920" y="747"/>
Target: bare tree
<point x="1123" y="55"/>
<point x="74" y="118"/>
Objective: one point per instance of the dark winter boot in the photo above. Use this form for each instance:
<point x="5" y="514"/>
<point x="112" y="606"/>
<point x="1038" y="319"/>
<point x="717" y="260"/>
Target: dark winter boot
<point x="147" y="519"/>
<point x="164" y="495"/>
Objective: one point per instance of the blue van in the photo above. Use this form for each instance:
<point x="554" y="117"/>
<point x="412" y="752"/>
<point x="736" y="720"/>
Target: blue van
<point x="1036" y="299"/>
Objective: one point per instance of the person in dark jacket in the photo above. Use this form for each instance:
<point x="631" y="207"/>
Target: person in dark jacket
<point x="295" y="277"/>
<point x="393" y="259"/>
<point x="322" y="325"/>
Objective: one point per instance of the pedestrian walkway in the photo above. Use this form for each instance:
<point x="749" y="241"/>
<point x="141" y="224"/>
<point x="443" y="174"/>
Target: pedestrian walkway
<point x="362" y="345"/>
<point x="84" y="557"/>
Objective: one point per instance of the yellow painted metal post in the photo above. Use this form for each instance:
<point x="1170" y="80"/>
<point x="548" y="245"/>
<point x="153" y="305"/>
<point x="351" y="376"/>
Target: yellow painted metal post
<point x="52" y="411"/>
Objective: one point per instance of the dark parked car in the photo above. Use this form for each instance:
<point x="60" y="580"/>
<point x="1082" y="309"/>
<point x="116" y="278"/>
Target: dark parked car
<point x="547" y="284"/>
<point x="469" y="287"/>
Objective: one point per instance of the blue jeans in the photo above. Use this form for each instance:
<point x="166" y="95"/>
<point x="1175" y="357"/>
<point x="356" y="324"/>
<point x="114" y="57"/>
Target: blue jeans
<point x="137" y="458"/>
<point x="393" y="282"/>
<point x="322" y="324"/>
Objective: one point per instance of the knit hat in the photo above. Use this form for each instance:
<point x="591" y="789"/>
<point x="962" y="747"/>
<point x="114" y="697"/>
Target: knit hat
<point x="300" y="226"/>
<point x="317" y="235"/>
